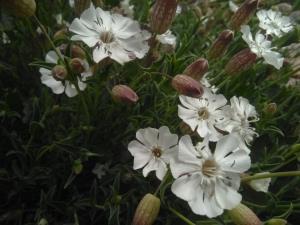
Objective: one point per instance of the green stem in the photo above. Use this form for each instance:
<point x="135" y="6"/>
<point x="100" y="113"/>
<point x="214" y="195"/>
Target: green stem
<point x="278" y="174"/>
<point x="162" y="183"/>
<point x="182" y="217"/>
<point x="49" y="39"/>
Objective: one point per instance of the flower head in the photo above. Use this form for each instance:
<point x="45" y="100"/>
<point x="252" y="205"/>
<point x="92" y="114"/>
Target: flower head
<point x="261" y="46"/>
<point x="56" y="79"/>
<point x="274" y="23"/>
<point x="153" y="150"/>
<point x="110" y="35"/>
<point x="204" y="114"/>
<point x="209" y="181"/>
<point x="241" y="114"/>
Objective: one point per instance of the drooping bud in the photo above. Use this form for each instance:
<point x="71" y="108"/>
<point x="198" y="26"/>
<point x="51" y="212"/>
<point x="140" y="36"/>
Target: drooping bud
<point x="123" y="93"/>
<point x="77" y="65"/>
<point x="242" y="215"/>
<point x="220" y="46"/>
<point x="20" y="8"/>
<point x="147" y="210"/>
<point x="186" y="85"/>
<point x="81" y="5"/>
<point x="243" y="14"/>
<point x="276" y="221"/>
<point x="60" y="34"/>
<point x="77" y="52"/>
<point x="197" y="69"/>
<point x="270" y="109"/>
<point x="162" y="15"/>
<point x="241" y="61"/>
<point x="59" y="72"/>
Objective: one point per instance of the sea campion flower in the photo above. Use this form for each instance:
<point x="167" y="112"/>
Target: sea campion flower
<point x="241" y="114"/>
<point x="261" y="46"/>
<point x="57" y="79"/>
<point x="205" y="114"/>
<point x="153" y="150"/>
<point x="167" y="38"/>
<point x="209" y="181"/>
<point x="274" y="23"/>
<point x="261" y="184"/>
<point x="110" y="35"/>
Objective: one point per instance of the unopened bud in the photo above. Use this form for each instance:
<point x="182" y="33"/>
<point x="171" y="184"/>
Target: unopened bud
<point x="242" y="215"/>
<point x="219" y="47"/>
<point x="20" y="8"/>
<point x="186" y="85"/>
<point x="276" y="221"/>
<point x="81" y="5"/>
<point x="147" y="210"/>
<point x="123" y="93"/>
<point x="186" y="129"/>
<point x="243" y="14"/>
<point x="241" y="61"/>
<point x="60" y="34"/>
<point x="270" y="108"/>
<point x="77" y="52"/>
<point x="77" y="65"/>
<point x="59" y="72"/>
<point x="197" y="69"/>
<point x="162" y="15"/>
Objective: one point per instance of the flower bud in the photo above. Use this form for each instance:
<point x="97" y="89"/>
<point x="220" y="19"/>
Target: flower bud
<point x="243" y="14"/>
<point x="123" y="93"/>
<point x="81" y="5"/>
<point x="270" y="108"/>
<point x="20" y="8"/>
<point x="241" y="61"/>
<point x="219" y="47"/>
<point x="77" y="65"/>
<point x="147" y="210"/>
<point x="59" y="72"/>
<point x="197" y="69"/>
<point x="242" y="215"/>
<point x="276" y="221"/>
<point x="186" y="85"/>
<point x="186" y="129"/>
<point x="162" y="15"/>
<point x="60" y="34"/>
<point x="77" y="52"/>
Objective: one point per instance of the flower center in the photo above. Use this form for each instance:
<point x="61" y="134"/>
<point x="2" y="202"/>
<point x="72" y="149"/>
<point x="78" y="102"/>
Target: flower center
<point x="210" y="168"/>
<point x="157" y="152"/>
<point x="203" y="113"/>
<point x="107" y="37"/>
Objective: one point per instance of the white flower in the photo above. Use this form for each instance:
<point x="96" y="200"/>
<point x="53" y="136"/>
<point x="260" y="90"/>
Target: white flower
<point x="127" y="8"/>
<point x="204" y="114"/>
<point x="209" y="181"/>
<point x="205" y="82"/>
<point x="233" y="7"/>
<point x="274" y="23"/>
<point x="178" y="9"/>
<point x="5" y="38"/>
<point x="261" y="46"/>
<point x="153" y="150"/>
<point x="241" y="114"/>
<point x="110" y="35"/>
<point x="72" y="3"/>
<point x="261" y="184"/>
<point x="61" y="86"/>
<point x="167" y="38"/>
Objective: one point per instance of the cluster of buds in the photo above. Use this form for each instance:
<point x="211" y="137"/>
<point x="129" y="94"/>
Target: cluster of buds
<point x="162" y="15"/>
<point x="20" y="8"/>
<point x="124" y="94"/>
<point x="240" y="62"/>
<point x="243" y="14"/>
<point x="221" y="44"/>
<point x="147" y="210"/>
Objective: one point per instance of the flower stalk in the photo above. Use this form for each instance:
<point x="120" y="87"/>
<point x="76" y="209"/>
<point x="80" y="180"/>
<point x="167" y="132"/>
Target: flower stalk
<point x="270" y="175"/>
